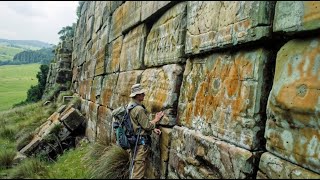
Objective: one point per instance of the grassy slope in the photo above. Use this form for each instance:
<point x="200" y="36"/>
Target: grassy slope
<point x="7" y="52"/>
<point x="15" y="80"/>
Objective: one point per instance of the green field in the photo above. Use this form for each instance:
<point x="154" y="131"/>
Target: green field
<point x="15" y="80"/>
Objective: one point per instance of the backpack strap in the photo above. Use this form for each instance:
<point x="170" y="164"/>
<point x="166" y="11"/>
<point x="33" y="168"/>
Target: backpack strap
<point x="129" y="108"/>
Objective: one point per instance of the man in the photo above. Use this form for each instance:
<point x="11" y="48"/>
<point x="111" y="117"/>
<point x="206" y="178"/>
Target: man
<point x="138" y="117"/>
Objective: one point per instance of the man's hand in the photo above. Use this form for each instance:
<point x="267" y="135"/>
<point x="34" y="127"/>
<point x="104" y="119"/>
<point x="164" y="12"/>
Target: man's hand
<point x="157" y="131"/>
<point x="159" y="115"/>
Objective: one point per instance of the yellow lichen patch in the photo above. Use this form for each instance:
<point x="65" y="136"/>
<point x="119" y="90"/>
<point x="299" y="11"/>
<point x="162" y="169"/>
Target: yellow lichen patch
<point x="311" y="11"/>
<point x="222" y="87"/>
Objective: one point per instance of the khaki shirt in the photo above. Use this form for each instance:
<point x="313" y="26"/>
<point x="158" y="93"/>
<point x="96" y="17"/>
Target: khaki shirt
<point x="138" y="115"/>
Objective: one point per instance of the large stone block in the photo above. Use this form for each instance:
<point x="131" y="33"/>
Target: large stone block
<point x="92" y="118"/>
<point x="109" y="83"/>
<point x="163" y="88"/>
<point x="195" y="156"/>
<point x="113" y="56"/>
<point x="276" y="168"/>
<point x="152" y="8"/>
<point x="295" y="16"/>
<point x="104" y="124"/>
<point x="116" y="24"/>
<point x="131" y="57"/>
<point x="96" y="89"/>
<point x="122" y="90"/>
<point x="224" y="95"/>
<point x="131" y="14"/>
<point x="72" y="119"/>
<point x="292" y="130"/>
<point x="219" y="24"/>
<point x="165" y="42"/>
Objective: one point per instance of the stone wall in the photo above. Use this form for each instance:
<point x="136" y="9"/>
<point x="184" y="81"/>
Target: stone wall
<point x="239" y="82"/>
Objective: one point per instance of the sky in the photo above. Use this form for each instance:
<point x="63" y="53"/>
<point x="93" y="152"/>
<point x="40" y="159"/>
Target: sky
<point x="36" y="20"/>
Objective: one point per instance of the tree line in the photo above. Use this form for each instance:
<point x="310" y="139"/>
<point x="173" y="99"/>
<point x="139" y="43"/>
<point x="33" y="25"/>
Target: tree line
<point x="42" y="56"/>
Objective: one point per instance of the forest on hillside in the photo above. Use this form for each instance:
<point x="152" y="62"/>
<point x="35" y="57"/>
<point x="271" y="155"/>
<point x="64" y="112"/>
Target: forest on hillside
<point x="42" y="56"/>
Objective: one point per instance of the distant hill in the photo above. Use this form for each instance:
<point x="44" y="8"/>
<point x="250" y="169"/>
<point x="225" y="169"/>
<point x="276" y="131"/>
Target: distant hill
<point x="9" y="48"/>
<point x="26" y="43"/>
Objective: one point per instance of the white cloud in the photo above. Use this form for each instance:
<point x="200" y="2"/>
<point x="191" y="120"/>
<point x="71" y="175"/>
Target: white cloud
<point x="36" y="20"/>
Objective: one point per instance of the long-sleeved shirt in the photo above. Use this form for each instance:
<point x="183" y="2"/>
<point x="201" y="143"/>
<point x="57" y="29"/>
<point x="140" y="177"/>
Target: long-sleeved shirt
<point x="138" y="116"/>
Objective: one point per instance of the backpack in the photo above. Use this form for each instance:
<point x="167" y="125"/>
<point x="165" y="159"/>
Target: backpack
<point x="123" y="127"/>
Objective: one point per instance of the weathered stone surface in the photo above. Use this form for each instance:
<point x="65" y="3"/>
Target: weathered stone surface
<point x="122" y="90"/>
<point x="131" y="14"/>
<point x="63" y="75"/>
<point x="96" y="89"/>
<point x="292" y="129"/>
<point x="100" y="61"/>
<point x="109" y="83"/>
<point x="276" y="168"/>
<point x="72" y="119"/>
<point x="113" y="58"/>
<point x="89" y="29"/>
<point x="98" y="14"/>
<point x="165" y="142"/>
<point x="152" y="8"/>
<point x="165" y="42"/>
<point x="114" y="5"/>
<point x="92" y="118"/>
<point x="104" y="124"/>
<point x="223" y="95"/>
<point x="218" y="24"/>
<point x="28" y="149"/>
<point x="116" y="24"/>
<point x="296" y="16"/>
<point x="193" y="155"/>
<point x="85" y="88"/>
<point x="131" y="57"/>
<point x="162" y="86"/>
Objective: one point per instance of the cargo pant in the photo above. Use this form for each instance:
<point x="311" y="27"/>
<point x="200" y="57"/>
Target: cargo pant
<point x="140" y="161"/>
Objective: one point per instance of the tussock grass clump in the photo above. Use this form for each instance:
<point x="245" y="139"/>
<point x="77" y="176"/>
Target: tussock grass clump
<point x="7" y="132"/>
<point x="6" y="158"/>
<point x="112" y="164"/>
<point x="30" y="168"/>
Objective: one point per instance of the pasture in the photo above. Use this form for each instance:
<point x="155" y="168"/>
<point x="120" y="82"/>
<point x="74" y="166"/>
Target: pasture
<point x="15" y="80"/>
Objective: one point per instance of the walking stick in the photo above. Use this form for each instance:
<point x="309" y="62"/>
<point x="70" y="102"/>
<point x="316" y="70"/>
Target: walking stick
<point x="134" y="154"/>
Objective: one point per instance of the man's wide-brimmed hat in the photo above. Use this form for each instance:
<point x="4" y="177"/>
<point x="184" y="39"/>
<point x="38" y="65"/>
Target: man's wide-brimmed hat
<point x="136" y="89"/>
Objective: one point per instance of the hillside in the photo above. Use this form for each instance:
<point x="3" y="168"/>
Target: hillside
<point x="8" y="52"/>
<point x="27" y="44"/>
<point x="9" y="48"/>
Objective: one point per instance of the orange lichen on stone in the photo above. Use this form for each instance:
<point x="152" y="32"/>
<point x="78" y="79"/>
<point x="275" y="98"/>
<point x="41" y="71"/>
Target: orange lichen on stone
<point x="229" y="91"/>
<point x="302" y="94"/>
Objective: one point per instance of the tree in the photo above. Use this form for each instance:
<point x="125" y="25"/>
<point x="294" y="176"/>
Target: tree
<point x="79" y="8"/>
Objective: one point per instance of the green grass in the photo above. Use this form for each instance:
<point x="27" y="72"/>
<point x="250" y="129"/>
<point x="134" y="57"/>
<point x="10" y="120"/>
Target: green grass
<point x="15" y="80"/>
<point x="7" y="52"/>
<point x="70" y="165"/>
